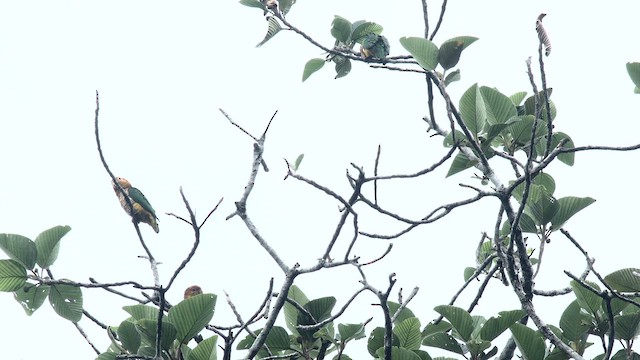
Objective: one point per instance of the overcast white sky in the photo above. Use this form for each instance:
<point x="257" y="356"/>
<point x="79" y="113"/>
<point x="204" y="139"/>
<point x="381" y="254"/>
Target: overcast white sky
<point x="164" y="68"/>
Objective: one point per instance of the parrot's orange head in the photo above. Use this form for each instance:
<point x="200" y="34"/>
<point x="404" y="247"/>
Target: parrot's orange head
<point x="124" y="183"/>
<point x="192" y="291"/>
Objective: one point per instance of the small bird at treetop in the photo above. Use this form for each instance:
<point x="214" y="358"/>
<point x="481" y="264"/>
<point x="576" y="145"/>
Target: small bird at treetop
<point x="142" y="210"/>
<point x="192" y="291"/>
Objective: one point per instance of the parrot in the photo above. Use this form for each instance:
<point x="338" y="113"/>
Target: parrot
<point x="374" y="46"/>
<point x="142" y="210"/>
<point x="192" y="291"/>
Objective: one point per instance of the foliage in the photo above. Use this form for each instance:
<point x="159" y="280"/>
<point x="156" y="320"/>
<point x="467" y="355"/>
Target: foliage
<point x="486" y="127"/>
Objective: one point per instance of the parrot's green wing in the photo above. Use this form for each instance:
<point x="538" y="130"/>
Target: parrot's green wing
<point x="138" y="197"/>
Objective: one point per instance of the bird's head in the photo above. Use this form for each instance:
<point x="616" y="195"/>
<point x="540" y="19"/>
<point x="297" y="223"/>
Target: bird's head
<point x="192" y="291"/>
<point x="124" y="183"/>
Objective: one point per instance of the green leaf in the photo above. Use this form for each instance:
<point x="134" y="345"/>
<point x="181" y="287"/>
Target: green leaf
<point x="460" y="163"/>
<point x="290" y="312"/>
<point x="13" y="276"/>
<point x="273" y="28"/>
<point x="569" y="206"/>
<point x="286" y="5"/>
<point x="459" y="318"/>
<point x="296" y="164"/>
<point x="405" y="313"/>
<point x="499" y="108"/>
<point x="573" y="322"/>
<point x="423" y="51"/>
<point x="472" y="110"/>
<point x="19" y="248"/>
<point x="468" y="273"/>
<point x="191" y="315"/>
<point x="361" y="29"/>
<point x="31" y="297"/>
<point x="343" y="66"/>
<point x="544" y="180"/>
<point x="529" y="341"/>
<point x="443" y="341"/>
<point x="66" y="301"/>
<point x="567" y="158"/>
<point x="408" y="333"/>
<point x="627" y="326"/>
<point x="47" y="245"/>
<point x="450" y="50"/>
<point x="529" y="104"/>
<point x="341" y="29"/>
<point x="542" y="205"/>
<point x="278" y="339"/>
<point x="376" y="341"/>
<point x="497" y="325"/>
<point x="206" y="350"/>
<point x="521" y="130"/>
<point x="253" y="3"/>
<point x="398" y="353"/>
<point x="624" y="280"/>
<point x="431" y="328"/>
<point x="451" y="77"/>
<point x="348" y="332"/>
<point x="586" y="298"/>
<point x="147" y="328"/>
<point x="107" y="356"/>
<point x="129" y="336"/>
<point x="140" y="312"/>
<point x="312" y="66"/>
<point x="517" y="98"/>
<point x="633" y="68"/>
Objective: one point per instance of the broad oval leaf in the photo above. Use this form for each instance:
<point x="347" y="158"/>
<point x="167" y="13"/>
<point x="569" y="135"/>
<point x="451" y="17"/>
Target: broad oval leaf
<point x="206" y="350"/>
<point x="443" y="341"/>
<point x="348" y="332"/>
<point x="66" y="301"/>
<point x="48" y="244"/>
<point x="624" y="280"/>
<point x="450" y="50"/>
<point x="290" y="311"/>
<point x="341" y="29"/>
<point x="129" y="336"/>
<point x="362" y="28"/>
<point x="459" y="318"/>
<point x="343" y="66"/>
<point x="398" y="353"/>
<point x="408" y="333"/>
<point x="19" y="248"/>
<point x="253" y="3"/>
<point x="499" y="108"/>
<point x="13" y="275"/>
<point x="541" y="204"/>
<point x="517" y="98"/>
<point x="148" y="329"/>
<point x="191" y="315"/>
<point x="627" y="326"/>
<point x="573" y="322"/>
<point x="497" y="325"/>
<point x="376" y="341"/>
<point x="633" y="68"/>
<point x="272" y="29"/>
<point x="451" y="77"/>
<point x="529" y="341"/>
<point x="312" y="66"/>
<point x="423" y="51"/>
<point x="587" y="300"/>
<point x="567" y="207"/>
<point x="404" y="314"/>
<point x="140" y="312"/>
<point x="278" y="339"/>
<point x="567" y="158"/>
<point x="31" y="297"/>
<point x="473" y="111"/>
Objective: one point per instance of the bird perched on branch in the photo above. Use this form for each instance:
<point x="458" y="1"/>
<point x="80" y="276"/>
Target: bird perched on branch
<point x="542" y="35"/>
<point x="142" y="210"/>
